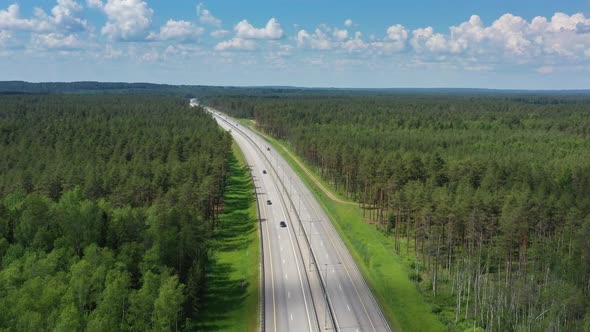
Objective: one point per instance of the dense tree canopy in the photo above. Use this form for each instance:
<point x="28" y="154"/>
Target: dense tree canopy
<point x="107" y="205"/>
<point x="490" y="194"/>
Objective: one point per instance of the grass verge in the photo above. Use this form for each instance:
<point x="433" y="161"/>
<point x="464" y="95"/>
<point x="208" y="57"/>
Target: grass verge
<point x="233" y="284"/>
<point x="386" y="272"/>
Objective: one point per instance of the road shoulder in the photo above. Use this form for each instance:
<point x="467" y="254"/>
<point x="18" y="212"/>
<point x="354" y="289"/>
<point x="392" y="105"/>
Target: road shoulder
<point x="386" y="273"/>
<point x="233" y="283"/>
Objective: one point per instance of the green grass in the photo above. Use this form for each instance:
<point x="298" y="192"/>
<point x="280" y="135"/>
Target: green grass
<point x="233" y="284"/>
<point x="386" y="272"/>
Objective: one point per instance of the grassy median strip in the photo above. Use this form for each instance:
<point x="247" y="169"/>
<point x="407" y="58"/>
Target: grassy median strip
<point x="233" y="284"/>
<point x="386" y="273"/>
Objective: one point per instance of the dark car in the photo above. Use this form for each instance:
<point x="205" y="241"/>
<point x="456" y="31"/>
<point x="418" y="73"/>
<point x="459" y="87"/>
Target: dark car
<point x="268" y="202"/>
<point x="283" y="224"/>
<point x="263" y="171"/>
<point x="267" y="149"/>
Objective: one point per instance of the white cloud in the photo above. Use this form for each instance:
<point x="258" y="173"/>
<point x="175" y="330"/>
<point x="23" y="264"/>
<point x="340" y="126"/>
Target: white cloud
<point x="236" y="44"/>
<point x="394" y="41"/>
<point x="55" y="41"/>
<point x="272" y="30"/>
<point x="511" y="31"/>
<point x="177" y="30"/>
<point x="94" y="4"/>
<point x="561" y="22"/>
<point x="355" y="44"/>
<point x="426" y="40"/>
<point x="285" y="50"/>
<point x="510" y="36"/>
<point x="219" y="33"/>
<point x="327" y="38"/>
<point x="205" y="16"/>
<point x="245" y="34"/>
<point x="10" y="20"/>
<point x="319" y="40"/>
<point x="340" y="35"/>
<point x="65" y="15"/>
<point x="126" y="19"/>
<point x="543" y="44"/>
<point x="397" y="33"/>
<point x="5" y="36"/>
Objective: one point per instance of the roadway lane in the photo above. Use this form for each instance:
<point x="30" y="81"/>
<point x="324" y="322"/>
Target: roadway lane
<point x="352" y="303"/>
<point x="288" y="303"/>
<point x="329" y="265"/>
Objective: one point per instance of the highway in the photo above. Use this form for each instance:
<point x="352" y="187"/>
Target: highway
<point x="304" y="290"/>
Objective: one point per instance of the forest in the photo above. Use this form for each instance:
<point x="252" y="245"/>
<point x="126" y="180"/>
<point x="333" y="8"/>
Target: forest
<point x="107" y="207"/>
<point x="488" y="194"/>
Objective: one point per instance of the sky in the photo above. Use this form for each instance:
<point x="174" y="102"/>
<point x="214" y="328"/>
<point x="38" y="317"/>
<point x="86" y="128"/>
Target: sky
<point x="516" y="44"/>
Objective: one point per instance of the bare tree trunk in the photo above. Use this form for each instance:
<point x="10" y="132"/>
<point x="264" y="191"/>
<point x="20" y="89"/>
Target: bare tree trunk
<point x="459" y="291"/>
<point x="408" y="233"/>
<point x="469" y="275"/>
<point x="435" y="275"/>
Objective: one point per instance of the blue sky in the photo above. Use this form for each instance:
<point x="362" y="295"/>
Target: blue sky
<point x="520" y="44"/>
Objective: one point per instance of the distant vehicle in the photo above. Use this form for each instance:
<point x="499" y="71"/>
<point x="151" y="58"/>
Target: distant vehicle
<point x="283" y="224"/>
<point x="268" y="149"/>
<point x="263" y="171"/>
<point x="268" y="202"/>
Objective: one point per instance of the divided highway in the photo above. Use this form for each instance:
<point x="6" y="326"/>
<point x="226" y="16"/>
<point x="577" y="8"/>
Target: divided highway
<point x="311" y="282"/>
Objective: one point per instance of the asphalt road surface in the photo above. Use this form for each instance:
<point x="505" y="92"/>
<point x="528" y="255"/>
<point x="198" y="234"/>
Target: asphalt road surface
<point x="304" y="290"/>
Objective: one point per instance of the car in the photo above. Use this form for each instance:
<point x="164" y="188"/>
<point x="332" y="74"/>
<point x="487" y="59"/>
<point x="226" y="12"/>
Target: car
<point x="267" y="149"/>
<point x="268" y="202"/>
<point x="283" y="224"/>
<point x="263" y="171"/>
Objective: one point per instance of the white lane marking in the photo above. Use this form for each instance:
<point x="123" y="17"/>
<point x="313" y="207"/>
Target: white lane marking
<point x="291" y="316"/>
<point x="296" y="261"/>
<point x="298" y="268"/>
<point x="348" y="307"/>
<point x="279" y="237"/>
<point x="340" y="285"/>
<point x="288" y="295"/>
<point x="347" y="272"/>
<point x="283" y="261"/>
<point x="322" y="243"/>
<point x="272" y="278"/>
<point x="286" y="277"/>
<point x="281" y="248"/>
